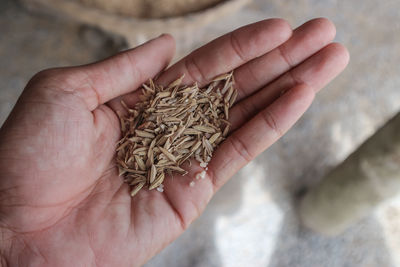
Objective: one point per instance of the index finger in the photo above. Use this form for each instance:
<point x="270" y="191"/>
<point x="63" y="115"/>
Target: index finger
<point x="100" y="82"/>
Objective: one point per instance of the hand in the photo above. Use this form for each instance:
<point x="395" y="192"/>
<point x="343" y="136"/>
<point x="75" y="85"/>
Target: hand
<point x="61" y="200"/>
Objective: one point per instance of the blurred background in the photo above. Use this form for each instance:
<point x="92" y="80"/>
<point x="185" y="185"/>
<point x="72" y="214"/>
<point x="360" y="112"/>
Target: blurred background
<point x="253" y="220"/>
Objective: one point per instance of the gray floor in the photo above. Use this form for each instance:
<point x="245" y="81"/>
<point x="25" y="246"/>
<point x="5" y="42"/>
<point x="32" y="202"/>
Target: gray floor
<point x="252" y="221"/>
<point x="30" y="43"/>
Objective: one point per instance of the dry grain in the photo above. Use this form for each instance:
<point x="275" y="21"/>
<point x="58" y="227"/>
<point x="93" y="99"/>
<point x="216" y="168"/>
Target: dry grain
<point x="171" y="125"/>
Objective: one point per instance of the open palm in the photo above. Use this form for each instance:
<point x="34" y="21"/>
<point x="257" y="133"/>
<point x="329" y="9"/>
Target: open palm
<point x="61" y="200"/>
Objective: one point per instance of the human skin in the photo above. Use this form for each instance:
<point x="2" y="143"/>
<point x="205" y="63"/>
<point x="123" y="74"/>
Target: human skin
<point x="61" y="200"/>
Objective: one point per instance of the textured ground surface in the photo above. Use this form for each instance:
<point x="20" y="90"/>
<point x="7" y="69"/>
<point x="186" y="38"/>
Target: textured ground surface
<point x="253" y="221"/>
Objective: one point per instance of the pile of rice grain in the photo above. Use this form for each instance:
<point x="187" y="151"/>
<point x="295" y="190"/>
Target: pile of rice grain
<point x="171" y="125"/>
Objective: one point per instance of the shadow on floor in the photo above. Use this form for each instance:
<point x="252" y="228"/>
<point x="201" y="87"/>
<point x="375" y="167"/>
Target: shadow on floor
<point x="361" y="245"/>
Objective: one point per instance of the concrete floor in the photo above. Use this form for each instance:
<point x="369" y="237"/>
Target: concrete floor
<point x="252" y="221"/>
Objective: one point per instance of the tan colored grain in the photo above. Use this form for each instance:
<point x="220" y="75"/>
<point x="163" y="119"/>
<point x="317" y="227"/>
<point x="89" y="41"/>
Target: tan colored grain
<point x="140" y="162"/>
<point x="137" y="188"/>
<point x="153" y="173"/>
<point x="141" y="133"/>
<point x="157" y="181"/>
<point x="214" y="137"/>
<point x="169" y="126"/>
<point x="203" y="128"/>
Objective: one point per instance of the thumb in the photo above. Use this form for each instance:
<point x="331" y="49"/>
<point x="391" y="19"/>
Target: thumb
<point x="99" y="82"/>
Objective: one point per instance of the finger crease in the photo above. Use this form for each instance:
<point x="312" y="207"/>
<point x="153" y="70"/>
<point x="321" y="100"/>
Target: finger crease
<point x="139" y="76"/>
<point x="270" y="120"/>
<point x="194" y="70"/>
<point x="295" y="80"/>
<point x="96" y="95"/>
<point x="213" y="179"/>
<point x="240" y="148"/>
<point x="285" y="56"/>
<point x="237" y="47"/>
<point x="183" y="224"/>
<point x="88" y="80"/>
